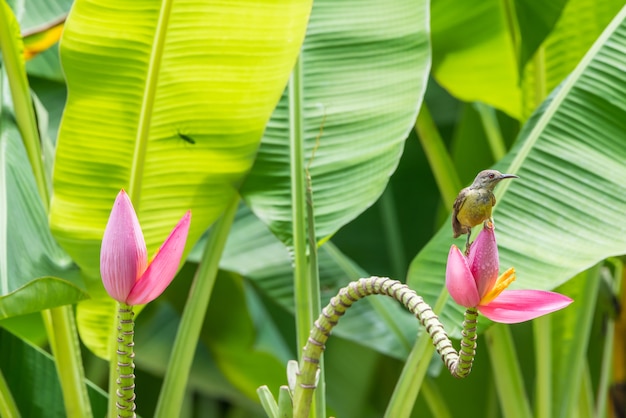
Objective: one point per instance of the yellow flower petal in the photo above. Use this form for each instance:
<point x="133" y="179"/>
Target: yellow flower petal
<point x="502" y="283"/>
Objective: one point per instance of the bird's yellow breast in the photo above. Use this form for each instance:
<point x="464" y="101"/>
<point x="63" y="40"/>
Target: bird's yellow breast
<point x="476" y="208"/>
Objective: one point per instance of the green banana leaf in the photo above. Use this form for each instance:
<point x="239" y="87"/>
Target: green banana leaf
<point x="578" y="27"/>
<point x="168" y="100"/>
<point x="480" y="48"/>
<point x="47" y="66"/>
<point x="535" y="19"/>
<point x="35" y="273"/>
<point x="32" y="374"/>
<point x="474" y="55"/>
<point x="34" y="15"/>
<point x="364" y="66"/>
<point x="566" y="212"/>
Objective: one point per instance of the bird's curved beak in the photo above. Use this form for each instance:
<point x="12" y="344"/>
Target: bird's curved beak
<point x="508" y="176"/>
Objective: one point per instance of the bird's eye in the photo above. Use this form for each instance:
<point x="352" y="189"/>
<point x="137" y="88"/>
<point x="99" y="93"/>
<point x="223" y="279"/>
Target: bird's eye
<point x="491" y="175"/>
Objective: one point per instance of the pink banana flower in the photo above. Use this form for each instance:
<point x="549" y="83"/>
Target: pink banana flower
<point x="127" y="274"/>
<point x="473" y="282"/>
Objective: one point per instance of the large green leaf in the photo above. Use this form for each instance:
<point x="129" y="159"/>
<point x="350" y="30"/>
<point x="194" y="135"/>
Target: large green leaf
<point x="535" y="19"/>
<point x="566" y="212"/>
<point x="142" y="74"/>
<point x="480" y="48"/>
<point x="474" y="55"/>
<point x="365" y="64"/>
<point x="32" y="376"/>
<point x="35" y="274"/>
<point x="35" y="14"/>
<point x="580" y="24"/>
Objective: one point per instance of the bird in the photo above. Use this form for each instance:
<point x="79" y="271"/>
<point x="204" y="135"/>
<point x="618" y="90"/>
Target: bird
<point x="474" y="203"/>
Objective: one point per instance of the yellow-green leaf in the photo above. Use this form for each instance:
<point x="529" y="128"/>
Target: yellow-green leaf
<point x="142" y="78"/>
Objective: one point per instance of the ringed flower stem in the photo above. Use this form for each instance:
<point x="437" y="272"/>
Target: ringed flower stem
<point x="468" y="344"/>
<point x="459" y="364"/>
<point x="125" y="381"/>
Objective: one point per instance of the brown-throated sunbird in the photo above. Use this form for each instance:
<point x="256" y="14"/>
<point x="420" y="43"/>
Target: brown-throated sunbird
<point x="474" y="203"/>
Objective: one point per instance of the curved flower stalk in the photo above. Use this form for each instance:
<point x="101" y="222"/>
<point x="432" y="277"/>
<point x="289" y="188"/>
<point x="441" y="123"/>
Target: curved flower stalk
<point x="459" y="364"/>
<point x="131" y="279"/>
<point x="473" y="282"/>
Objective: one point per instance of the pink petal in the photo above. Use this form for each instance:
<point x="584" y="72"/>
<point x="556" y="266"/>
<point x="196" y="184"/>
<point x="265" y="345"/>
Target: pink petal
<point x="513" y="306"/>
<point x="163" y="268"/>
<point x="483" y="260"/>
<point x="459" y="279"/>
<point x="123" y="253"/>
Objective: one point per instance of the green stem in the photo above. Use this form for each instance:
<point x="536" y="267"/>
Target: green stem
<point x="513" y="29"/>
<point x="393" y="233"/>
<point x="585" y="405"/>
<point x="302" y="288"/>
<point x="60" y="324"/>
<point x="542" y="328"/>
<point x="176" y="376"/>
<point x="147" y="104"/>
<point x="125" y="381"/>
<point x="66" y="351"/>
<point x="507" y="373"/>
<point x="540" y="84"/>
<point x="414" y="371"/>
<point x="8" y="407"/>
<point x="11" y="47"/>
<point x="492" y="129"/>
<point x="305" y="287"/>
<point x="459" y="364"/>
<point x="574" y="358"/>
<point x="435" y="400"/>
<point x="606" y="370"/>
<point x="440" y="162"/>
<point x="411" y="379"/>
<point x="314" y="291"/>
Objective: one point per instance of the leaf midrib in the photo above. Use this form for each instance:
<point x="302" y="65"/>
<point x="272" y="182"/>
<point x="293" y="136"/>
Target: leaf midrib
<point x="147" y="105"/>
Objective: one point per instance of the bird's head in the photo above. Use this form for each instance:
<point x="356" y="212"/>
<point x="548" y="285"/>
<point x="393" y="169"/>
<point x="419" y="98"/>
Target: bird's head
<point x="489" y="178"/>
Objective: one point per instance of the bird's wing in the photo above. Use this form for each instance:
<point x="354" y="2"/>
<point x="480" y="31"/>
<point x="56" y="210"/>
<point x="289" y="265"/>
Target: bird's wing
<point x="457" y="228"/>
<point x="493" y="199"/>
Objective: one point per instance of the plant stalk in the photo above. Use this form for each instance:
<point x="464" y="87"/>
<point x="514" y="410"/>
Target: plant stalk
<point x="414" y="371"/>
<point x="177" y="373"/>
<point x="439" y="160"/>
<point x="459" y="364"/>
<point x="125" y="381"/>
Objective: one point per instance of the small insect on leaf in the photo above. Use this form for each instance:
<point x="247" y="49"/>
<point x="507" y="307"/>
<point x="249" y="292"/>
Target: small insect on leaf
<point x="187" y="138"/>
